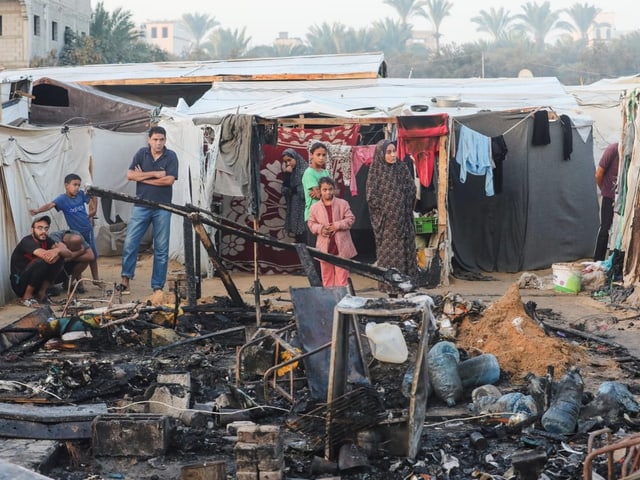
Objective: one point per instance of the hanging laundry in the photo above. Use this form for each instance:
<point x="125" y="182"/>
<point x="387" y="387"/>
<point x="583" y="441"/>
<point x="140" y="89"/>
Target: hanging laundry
<point x="360" y="155"/>
<point x="339" y="163"/>
<point x="419" y="138"/>
<point x="567" y="137"/>
<point x="499" y="152"/>
<point x="233" y="175"/>
<point x="541" y="128"/>
<point x="474" y="157"/>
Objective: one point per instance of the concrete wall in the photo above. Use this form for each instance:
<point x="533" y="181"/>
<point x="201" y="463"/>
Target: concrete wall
<point x="34" y="28"/>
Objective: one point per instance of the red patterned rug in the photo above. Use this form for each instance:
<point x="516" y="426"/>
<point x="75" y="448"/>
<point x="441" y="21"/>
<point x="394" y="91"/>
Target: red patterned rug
<point x="238" y="252"/>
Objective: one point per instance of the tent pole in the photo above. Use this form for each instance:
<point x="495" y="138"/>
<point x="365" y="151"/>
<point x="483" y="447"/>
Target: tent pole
<point x="256" y="280"/>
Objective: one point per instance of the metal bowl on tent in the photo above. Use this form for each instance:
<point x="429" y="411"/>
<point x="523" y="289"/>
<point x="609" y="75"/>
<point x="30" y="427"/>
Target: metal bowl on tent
<point x="446" y="101"/>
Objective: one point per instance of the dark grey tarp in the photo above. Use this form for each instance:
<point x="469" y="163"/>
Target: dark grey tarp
<point x="547" y="211"/>
<point x="58" y="103"/>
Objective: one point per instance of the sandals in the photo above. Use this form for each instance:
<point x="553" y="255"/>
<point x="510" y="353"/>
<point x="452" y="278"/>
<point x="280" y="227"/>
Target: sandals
<point x="30" y="303"/>
<point x="123" y="289"/>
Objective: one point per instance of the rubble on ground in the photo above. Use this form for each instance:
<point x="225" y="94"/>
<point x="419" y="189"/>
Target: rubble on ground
<point x="168" y="392"/>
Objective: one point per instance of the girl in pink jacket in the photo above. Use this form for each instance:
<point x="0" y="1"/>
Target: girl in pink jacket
<point x="330" y="220"/>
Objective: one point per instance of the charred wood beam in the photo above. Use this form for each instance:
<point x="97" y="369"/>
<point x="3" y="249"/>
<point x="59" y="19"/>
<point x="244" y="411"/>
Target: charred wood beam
<point x="390" y="276"/>
<point x="159" y="350"/>
<point x="202" y="234"/>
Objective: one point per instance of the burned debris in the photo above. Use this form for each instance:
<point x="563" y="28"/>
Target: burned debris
<point x="336" y="385"/>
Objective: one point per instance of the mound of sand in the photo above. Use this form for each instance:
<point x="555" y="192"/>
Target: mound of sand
<point x="518" y="342"/>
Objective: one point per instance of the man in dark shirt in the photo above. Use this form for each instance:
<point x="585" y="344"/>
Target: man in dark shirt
<point x="606" y="178"/>
<point x="35" y="264"/>
<point x="154" y="169"/>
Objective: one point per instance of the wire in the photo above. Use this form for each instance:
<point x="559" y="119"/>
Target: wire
<point x="35" y="389"/>
<point x="496" y="414"/>
<point x="259" y="407"/>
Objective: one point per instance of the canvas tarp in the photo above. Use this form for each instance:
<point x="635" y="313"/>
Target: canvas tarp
<point x="58" y="103"/>
<point x="547" y="212"/>
<point x="36" y="160"/>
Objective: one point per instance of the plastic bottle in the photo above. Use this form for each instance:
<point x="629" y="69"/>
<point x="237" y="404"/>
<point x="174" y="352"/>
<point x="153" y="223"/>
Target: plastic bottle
<point x="562" y="415"/>
<point x="621" y="393"/>
<point x="505" y="404"/>
<point x="481" y="370"/>
<point x="485" y="391"/>
<point x="443" y="360"/>
<point x="540" y="389"/>
<point x="387" y="342"/>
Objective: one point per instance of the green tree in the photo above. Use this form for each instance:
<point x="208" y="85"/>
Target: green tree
<point x="495" y="22"/>
<point x="278" y="50"/>
<point x="583" y="16"/>
<point x="435" y="11"/>
<point x="406" y="8"/>
<point x="225" y="43"/>
<point x="326" y="38"/>
<point x="391" y="36"/>
<point x="199" y="26"/>
<point x="359" y="41"/>
<point x="79" y="50"/>
<point x="114" y="34"/>
<point x="538" y="20"/>
<point x="112" y="39"/>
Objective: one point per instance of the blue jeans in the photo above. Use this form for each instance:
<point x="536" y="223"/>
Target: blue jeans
<point x="141" y="218"/>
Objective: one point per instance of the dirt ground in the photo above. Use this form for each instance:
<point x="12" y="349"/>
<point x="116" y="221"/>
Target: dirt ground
<point x="579" y="311"/>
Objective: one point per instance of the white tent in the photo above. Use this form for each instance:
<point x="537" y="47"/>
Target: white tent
<point x="36" y="160"/>
<point x="601" y="100"/>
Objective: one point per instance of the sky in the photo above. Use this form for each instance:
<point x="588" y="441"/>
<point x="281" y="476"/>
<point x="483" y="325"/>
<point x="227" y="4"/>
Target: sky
<point x="264" y="19"/>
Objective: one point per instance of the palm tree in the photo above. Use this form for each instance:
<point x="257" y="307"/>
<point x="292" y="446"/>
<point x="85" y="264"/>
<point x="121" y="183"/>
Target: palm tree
<point x="199" y="26"/>
<point x="278" y="50"/>
<point x="225" y="43"/>
<point x="327" y="39"/>
<point x="584" y="17"/>
<point x="406" y="8"/>
<point x="391" y="36"/>
<point x="435" y="11"/>
<point x="495" y="22"/>
<point x="358" y="41"/>
<point x="538" y="20"/>
<point x="114" y="33"/>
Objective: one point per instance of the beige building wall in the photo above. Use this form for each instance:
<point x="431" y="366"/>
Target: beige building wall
<point x="605" y="29"/>
<point x="170" y="35"/>
<point x="34" y="28"/>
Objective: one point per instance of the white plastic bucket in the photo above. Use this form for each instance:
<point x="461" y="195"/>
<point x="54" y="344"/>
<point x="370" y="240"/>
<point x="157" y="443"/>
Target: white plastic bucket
<point x="567" y="277"/>
<point x="387" y="342"/>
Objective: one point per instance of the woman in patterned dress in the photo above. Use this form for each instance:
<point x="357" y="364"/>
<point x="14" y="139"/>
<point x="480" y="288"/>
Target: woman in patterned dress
<point x="391" y="195"/>
<point x="294" y="168"/>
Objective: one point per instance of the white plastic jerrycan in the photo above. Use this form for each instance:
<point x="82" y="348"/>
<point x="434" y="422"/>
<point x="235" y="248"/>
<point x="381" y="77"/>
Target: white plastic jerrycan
<point x="387" y="342"/>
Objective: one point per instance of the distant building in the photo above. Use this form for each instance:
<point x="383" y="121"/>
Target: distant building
<point x="285" y="40"/>
<point x="34" y="28"/>
<point x="171" y="36"/>
<point x="604" y="29"/>
<point x="425" y="38"/>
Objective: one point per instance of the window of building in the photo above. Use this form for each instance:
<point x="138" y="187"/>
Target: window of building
<point x="0" y="25"/>
<point x="154" y="32"/>
<point x="165" y="32"/>
<point x="68" y="37"/>
<point x="54" y="31"/>
<point x="36" y="25"/>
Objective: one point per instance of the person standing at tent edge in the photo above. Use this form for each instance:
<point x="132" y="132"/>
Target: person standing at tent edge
<point x="606" y="177"/>
<point x="310" y="178"/>
<point x="391" y="195"/>
<point x="154" y="169"/>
